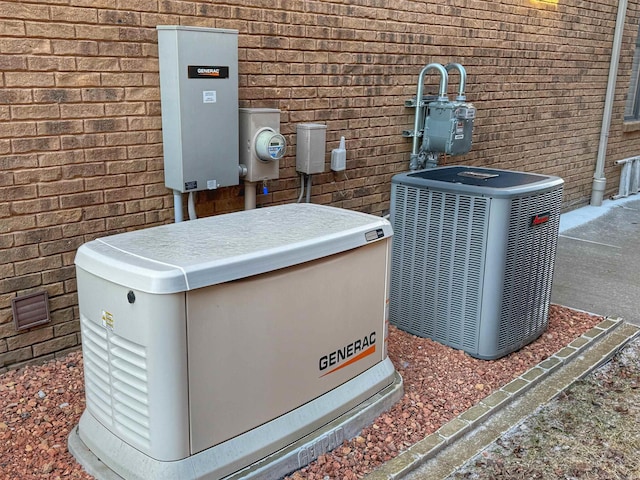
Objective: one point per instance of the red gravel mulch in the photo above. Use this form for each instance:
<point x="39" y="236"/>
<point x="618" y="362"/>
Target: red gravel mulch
<point x="40" y="404"/>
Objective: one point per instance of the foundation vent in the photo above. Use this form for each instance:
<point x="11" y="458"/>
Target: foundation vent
<point x="30" y="310"/>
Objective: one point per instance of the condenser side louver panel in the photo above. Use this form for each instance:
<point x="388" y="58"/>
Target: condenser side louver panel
<point x="528" y="271"/>
<point x="438" y="264"/>
<point x="472" y="256"/>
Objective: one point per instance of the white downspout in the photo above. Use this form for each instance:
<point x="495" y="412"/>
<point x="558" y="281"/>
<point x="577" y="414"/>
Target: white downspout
<point x="599" y="182"/>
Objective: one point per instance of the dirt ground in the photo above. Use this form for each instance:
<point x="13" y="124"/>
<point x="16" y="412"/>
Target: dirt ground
<point x="592" y="431"/>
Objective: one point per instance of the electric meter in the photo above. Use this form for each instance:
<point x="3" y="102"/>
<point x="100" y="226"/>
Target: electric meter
<point x="261" y="145"/>
<point x="270" y="145"/>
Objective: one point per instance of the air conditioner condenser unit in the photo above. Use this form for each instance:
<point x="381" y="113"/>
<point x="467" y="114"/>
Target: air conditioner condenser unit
<point x="473" y="256"/>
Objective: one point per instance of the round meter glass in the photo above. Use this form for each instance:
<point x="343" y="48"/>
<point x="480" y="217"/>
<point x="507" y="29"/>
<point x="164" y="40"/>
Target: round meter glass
<point x="270" y="145"/>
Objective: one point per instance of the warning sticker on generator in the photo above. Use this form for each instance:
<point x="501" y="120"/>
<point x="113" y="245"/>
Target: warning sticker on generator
<point x="107" y="320"/>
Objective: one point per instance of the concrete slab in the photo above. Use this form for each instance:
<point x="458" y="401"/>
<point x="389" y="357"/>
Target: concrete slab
<point x="598" y="260"/>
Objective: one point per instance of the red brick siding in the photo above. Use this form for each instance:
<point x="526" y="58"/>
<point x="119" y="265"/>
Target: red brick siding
<point x="80" y="140"/>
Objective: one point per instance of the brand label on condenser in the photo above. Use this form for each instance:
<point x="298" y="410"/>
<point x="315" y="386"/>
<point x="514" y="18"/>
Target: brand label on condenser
<point x="540" y="218"/>
<point x="204" y="71"/>
<point x="348" y="355"/>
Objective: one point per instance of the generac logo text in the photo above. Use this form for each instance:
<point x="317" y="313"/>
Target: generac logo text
<point x="214" y="72"/>
<point x="348" y="354"/>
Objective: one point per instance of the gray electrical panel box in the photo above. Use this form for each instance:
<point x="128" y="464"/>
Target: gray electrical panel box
<point x="199" y="95"/>
<point x="448" y="127"/>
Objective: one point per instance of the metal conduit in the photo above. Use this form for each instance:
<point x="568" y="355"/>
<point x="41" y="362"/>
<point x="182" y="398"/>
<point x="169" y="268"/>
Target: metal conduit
<point x="442" y="97"/>
<point x="463" y="79"/>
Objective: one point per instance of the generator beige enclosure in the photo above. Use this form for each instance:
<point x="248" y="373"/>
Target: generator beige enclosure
<point x="239" y="345"/>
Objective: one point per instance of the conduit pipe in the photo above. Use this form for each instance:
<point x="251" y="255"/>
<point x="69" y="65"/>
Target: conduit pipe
<point x="463" y="79"/>
<point x="599" y="181"/>
<point x="177" y="206"/>
<point x="249" y="195"/>
<point x="191" y="206"/>
<point x="301" y="188"/>
<point x="309" y="188"/>
<point x="442" y="97"/>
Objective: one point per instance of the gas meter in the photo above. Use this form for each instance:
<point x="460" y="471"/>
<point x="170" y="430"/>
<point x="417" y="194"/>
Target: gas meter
<point x="445" y="126"/>
<point x="448" y="127"/>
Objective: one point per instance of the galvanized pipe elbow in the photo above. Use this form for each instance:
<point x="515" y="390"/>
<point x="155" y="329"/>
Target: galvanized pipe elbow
<point x="442" y="96"/>
<point x="444" y="78"/>
<point x="463" y="79"/>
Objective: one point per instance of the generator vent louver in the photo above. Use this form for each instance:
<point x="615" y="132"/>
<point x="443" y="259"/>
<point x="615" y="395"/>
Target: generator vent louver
<point x="116" y="382"/>
<point x="470" y="268"/>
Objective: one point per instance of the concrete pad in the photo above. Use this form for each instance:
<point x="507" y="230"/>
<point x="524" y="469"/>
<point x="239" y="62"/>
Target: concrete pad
<point x="598" y="260"/>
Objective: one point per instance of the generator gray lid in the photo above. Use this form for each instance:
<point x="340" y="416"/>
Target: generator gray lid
<point x="198" y="253"/>
<point x="478" y="181"/>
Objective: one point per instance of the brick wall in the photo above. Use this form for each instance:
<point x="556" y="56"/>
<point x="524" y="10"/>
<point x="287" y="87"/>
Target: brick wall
<point x="80" y="139"/>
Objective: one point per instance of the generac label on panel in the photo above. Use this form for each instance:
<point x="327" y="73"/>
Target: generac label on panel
<point x="204" y="71"/>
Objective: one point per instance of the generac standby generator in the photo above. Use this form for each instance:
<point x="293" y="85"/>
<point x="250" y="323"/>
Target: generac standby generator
<point x="236" y="346"/>
<point x="473" y="255"/>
